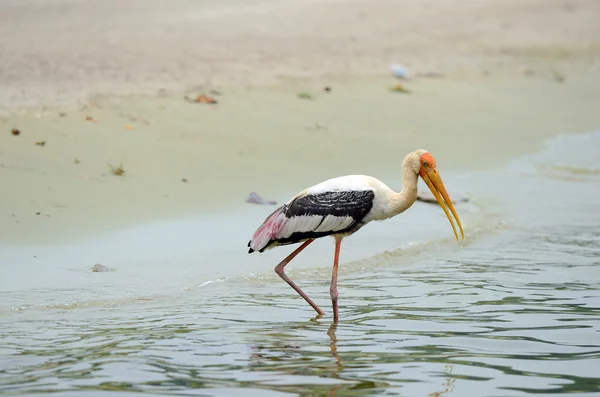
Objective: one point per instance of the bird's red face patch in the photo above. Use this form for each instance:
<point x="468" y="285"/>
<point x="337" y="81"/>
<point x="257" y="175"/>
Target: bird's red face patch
<point x="427" y="161"/>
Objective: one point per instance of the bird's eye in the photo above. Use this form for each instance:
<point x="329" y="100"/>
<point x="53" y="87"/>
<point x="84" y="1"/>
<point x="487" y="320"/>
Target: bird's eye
<point x="425" y="163"/>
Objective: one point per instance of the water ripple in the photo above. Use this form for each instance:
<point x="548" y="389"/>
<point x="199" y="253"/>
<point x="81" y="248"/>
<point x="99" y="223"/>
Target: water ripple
<point x="473" y="325"/>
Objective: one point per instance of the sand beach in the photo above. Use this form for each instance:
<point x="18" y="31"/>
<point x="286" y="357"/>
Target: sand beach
<point x="488" y="80"/>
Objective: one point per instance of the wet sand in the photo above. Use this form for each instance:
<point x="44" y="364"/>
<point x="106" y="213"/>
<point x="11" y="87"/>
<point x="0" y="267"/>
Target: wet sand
<point x="517" y="74"/>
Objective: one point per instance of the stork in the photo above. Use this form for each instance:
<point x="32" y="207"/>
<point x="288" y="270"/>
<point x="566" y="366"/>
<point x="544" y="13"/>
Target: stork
<point x="340" y="206"/>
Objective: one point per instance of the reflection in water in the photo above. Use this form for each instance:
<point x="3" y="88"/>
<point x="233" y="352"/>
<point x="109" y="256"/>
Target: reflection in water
<point x="448" y="385"/>
<point x="333" y="347"/>
<point x="315" y="366"/>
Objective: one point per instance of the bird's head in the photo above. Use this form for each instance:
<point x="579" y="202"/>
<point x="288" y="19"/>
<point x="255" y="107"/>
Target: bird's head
<point x="423" y="164"/>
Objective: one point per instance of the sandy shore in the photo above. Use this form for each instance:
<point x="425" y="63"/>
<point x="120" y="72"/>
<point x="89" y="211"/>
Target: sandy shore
<point x="514" y="73"/>
<point x="55" y="51"/>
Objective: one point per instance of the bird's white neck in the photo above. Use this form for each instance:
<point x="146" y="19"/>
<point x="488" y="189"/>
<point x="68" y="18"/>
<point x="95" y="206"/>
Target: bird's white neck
<point x="400" y="202"/>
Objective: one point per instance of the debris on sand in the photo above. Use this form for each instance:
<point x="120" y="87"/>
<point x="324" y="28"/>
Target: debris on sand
<point x="77" y="161"/>
<point x="399" y="71"/>
<point x="400" y="88"/>
<point x="89" y="118"/>
<point x="41" y="143"/>
<point x="99" y="268"/>
<point x="202" y="99"/>
<point x="327" y="89"/>
<point x="254" y="198"/>
<point x="118" y="171"/>
<point x="427" y="197"/>
<point x="15" y="132"/>
<point x="305" y="95"/>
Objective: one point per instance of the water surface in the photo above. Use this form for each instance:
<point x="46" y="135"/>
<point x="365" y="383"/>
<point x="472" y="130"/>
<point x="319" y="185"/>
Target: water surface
<point x="513" y="311"/>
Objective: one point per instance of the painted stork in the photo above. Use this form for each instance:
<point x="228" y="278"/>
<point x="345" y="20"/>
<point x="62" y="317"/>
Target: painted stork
<point x="340" y="206"/>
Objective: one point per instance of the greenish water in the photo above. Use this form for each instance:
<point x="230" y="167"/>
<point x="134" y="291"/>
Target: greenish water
<point x="514" y="311"/>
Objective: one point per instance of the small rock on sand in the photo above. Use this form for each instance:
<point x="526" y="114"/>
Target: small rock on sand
<point x="99" y="268"/>
<point x="254" y="198"/>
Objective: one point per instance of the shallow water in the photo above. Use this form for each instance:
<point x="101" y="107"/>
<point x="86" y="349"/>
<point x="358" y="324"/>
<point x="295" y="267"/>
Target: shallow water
<point x="513" y="311"/>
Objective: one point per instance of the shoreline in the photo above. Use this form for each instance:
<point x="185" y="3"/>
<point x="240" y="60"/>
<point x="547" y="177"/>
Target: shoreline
<point x="163" y="259"/>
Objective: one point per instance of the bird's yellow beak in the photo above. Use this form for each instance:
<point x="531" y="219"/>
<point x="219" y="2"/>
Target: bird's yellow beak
<point x="434" y="181"/>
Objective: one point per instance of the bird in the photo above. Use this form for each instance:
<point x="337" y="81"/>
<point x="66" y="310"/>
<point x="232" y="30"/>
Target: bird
<point x="341" y="206"/>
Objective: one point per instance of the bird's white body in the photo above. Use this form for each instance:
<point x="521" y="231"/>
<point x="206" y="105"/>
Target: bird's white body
<point x="325" y="217"/>
<point x="356" y="183"/>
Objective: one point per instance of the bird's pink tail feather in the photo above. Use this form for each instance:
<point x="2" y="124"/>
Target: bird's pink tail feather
<point x="268" y="230"/>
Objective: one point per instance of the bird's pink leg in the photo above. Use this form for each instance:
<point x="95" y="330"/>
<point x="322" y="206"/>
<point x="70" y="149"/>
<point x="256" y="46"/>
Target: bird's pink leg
<point x="333" y="288"/>
<point x="280" y="273"/>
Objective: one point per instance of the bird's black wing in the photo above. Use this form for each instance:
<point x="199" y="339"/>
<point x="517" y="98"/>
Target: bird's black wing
<point x="322" y="214"/>
<point x="348" y="203"/>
